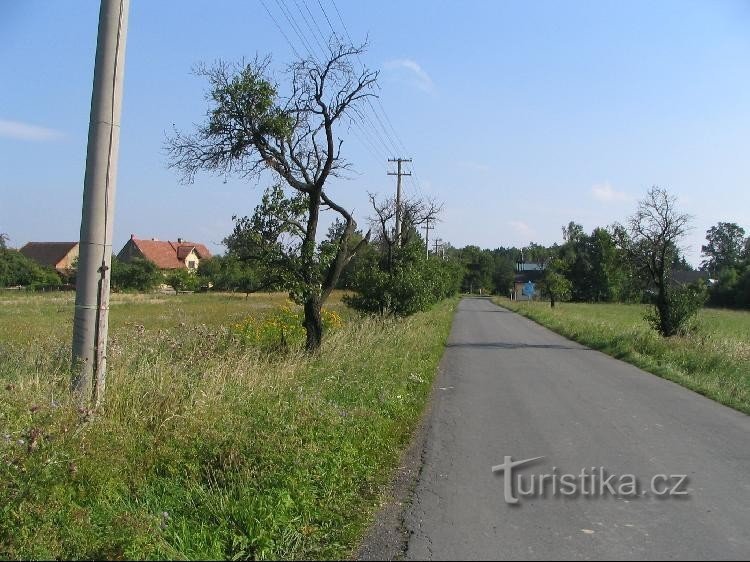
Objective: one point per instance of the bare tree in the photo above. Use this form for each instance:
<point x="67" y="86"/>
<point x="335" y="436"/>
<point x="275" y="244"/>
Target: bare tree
<point x="250" y="127"/>
<point x="655" y="231"/>
<point x="414" y="212"/>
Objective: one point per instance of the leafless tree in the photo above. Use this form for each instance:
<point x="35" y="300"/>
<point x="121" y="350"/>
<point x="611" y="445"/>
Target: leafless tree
<point x="251" y="127"/>
<point x="655" y="232"/>
<point x="414" y="212"/>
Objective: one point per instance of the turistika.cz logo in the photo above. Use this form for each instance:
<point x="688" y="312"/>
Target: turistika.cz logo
<point x="589" y="482"/>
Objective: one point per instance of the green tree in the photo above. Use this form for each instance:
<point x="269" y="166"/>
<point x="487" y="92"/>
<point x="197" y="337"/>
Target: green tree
<point x="554" y="284"/>
<point x="182" y="280"/>
<point x="724" y="247"/>
<point x="479" y="269"/>
<point x="410" y="283"/>
<point x="251" y="127"/>
<point x="399" y="278"/>
<point x="503" y="275"/>
<point x="135" y="275"/>
<point x="17" y="269"/>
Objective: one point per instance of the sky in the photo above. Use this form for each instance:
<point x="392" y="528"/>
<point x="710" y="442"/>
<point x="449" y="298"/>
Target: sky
<point x="519" y="116"/>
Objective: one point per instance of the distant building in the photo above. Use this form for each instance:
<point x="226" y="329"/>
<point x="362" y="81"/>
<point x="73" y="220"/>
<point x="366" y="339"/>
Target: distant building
<point x="58" y="255"/>
<point x="526" y="280"/>
<point x="165" y="254"/>
<point x="684" y="277"/>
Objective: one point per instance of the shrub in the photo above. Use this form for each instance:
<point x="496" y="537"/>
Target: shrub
<point x="182" y="280"/>
<point x="17" y="269"/>
<point x="281" y="328"/>
<point x="136" y="275"/>
<point x="410" y="283"/>
<point x="684" y="302"/>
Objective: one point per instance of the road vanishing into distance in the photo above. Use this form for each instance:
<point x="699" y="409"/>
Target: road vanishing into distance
<point x="509" y="387"/>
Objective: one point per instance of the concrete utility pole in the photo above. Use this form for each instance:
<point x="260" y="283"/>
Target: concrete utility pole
<point x="426" y="228"/>
<point x="398" y="173"/>
<point x="90" y="323"/>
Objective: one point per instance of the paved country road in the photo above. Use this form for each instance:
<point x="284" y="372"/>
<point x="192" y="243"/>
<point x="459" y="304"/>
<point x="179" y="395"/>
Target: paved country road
<point x="510" y="387"/>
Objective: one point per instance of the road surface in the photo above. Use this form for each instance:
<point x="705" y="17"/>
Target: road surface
<point x="509" y="387"/>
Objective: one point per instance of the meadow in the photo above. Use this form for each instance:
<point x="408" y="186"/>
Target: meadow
<point x="713" y="359"/>
<point x="212" y="443"/>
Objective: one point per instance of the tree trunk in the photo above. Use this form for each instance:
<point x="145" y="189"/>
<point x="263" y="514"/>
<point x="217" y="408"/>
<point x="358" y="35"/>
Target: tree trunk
<point x="313" y="324"/>
<point x="552" y="301"/>
<point x="662" y="307"/>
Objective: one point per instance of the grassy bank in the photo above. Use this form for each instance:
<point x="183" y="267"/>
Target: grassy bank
<point x="714" y="360"/>
<point x="206" y="448"/>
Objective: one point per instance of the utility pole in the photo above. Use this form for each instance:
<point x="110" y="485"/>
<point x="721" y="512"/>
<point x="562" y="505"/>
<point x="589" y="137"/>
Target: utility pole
<point x="426" y="228"/>
<point x="90" y="323"/>
<point x="438" y="245"/>
<point x="398" y="173"/>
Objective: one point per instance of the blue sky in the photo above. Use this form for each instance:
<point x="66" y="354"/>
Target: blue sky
<point x="520" y="116"/>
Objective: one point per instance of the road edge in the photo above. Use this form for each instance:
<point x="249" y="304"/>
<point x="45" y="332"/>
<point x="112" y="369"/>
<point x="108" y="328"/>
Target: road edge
<point x="387" y="537"/>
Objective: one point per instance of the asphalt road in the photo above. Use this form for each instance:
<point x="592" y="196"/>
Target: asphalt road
<point x="509" y="387"/>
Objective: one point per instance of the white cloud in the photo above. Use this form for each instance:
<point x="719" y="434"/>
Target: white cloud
<point x="24" y="131"/>
<point x="607" y="194"/>
<point x="423" y="80"/>
<point x="523" y="230"/>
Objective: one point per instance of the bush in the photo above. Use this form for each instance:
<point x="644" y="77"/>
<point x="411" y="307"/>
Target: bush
<point x="732" y="289"/>
<point x="683" y="304"/>
<point x="231" y="274"/>
<point x="410" y="284"/>
<point x="281" y="328"/>
<point x="17" y="269"/>
<point x="136" y="275"/>
<point x="182" y="280"/>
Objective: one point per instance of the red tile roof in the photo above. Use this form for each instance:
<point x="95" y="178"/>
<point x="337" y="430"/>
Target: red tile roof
<point x="167" y="254"/>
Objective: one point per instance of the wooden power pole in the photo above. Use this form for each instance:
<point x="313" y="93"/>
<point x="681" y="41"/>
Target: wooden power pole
<point x="427" y="229"/>
<point x="398" y="173"/>
<point x="90" y="323"/>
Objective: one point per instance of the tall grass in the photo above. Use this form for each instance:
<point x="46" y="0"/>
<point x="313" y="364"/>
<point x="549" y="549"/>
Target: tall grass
<point x="207" y="448"/>
<point x="713" y="360"/>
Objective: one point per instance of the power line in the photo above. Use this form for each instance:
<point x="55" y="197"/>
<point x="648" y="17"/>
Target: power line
<point x="310" y="29"/>
<point x="376" y="133"/>
<point x="385" y="113"/>
<point x="325" y="14"/>
<point x="289" y="42"/>
<point x="315" y="22"/>
<point x="393" y="146"/>
<point x="297" y="28"/>
<point x="388" y="120"/>
<point x="293" y="23"/>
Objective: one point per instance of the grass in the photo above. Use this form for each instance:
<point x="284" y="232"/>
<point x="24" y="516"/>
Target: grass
<point x="206" y="448"/>
<point x="713" y="360"/>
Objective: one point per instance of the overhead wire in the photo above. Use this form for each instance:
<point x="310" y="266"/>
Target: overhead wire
<point x="373" y="129"/>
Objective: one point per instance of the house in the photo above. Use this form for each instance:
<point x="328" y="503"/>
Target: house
<point x="58" y="255"/>
<point x="526" y="280"/>
<point x="685" y="277"/>
<point x="166" y="255"/>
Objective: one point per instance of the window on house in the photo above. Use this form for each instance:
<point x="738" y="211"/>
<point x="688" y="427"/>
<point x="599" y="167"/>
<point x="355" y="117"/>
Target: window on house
<point x="191" y="264"/>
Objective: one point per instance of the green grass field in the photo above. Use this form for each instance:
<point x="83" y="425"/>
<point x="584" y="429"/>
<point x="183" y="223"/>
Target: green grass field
<point x="713" y="360"/>
<point x="207" y="447"/>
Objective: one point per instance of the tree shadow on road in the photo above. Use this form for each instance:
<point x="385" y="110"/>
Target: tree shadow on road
<point x="514" y="345"/>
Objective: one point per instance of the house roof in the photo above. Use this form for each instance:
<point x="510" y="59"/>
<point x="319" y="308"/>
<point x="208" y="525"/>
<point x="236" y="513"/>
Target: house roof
<point x="167" y="254"/>
<point x="530" y="266"/>
<point x="47" y="253"/>
<point x="526" y="276"/>
<point x="688" y="277"/>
